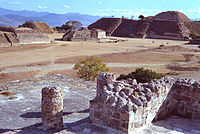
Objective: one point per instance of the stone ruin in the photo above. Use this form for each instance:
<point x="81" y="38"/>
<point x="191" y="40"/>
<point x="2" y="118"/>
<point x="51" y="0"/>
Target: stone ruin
<point x="31" y="36"/>
<point x="84" y="35"/>
<point x="171" y="25"/>
<point x="127" y="105"/>
<point x="10" y="37"/>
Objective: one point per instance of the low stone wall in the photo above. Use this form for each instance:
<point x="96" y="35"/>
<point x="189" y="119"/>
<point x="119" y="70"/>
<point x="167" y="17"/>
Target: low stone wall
<point x="127" y="105"/>
<point x="84" y="35"/>
<point x="164" y="36"/>
<point x="21" y="36"/>
<point x="30" y="36"/>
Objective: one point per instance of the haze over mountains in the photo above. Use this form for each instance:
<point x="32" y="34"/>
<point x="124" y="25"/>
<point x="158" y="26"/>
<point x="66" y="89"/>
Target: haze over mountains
<point x="15" y="18"/>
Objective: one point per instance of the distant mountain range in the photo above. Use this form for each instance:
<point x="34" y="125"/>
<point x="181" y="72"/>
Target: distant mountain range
<point x="16" y="18"/>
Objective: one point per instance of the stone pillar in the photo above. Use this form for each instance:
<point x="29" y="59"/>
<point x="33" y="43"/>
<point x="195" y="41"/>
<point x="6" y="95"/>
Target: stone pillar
<point x="52" y="108"/>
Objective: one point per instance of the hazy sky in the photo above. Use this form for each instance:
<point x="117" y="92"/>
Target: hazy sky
<point x="117" y="8"/>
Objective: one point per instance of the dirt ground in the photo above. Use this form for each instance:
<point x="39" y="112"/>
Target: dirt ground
<point x="122" y="57"/>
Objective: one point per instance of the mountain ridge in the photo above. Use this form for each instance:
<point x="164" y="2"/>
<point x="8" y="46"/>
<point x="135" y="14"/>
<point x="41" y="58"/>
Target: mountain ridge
<point x="16" y="18"/>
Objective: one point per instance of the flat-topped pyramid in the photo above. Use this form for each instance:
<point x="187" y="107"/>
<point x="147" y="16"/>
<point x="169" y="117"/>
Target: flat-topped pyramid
<point x="166" y="25"/>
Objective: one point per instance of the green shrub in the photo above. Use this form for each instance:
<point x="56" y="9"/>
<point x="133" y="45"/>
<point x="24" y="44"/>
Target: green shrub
<point x="141" y="75"/>
<point x="90" y="67"/>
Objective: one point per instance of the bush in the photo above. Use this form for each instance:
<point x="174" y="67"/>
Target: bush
<point x="141" y="75"/>
<point x="90" y="67"/>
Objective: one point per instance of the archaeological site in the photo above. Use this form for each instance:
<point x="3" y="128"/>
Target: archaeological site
<point x="116" y="75"/>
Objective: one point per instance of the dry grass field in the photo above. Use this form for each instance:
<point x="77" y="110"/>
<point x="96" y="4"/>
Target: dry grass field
<point x="122" y="57"/>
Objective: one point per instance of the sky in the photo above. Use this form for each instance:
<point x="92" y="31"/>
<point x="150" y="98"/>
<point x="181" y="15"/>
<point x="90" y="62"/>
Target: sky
<point x="117" y="8"/>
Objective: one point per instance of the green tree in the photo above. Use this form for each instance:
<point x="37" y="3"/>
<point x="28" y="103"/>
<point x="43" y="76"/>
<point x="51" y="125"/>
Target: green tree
<point x="141" y="75"/>
<point x="66" y="27"/>
<point x="89" y="67"/>
<point x="76" y="25"/>
<point x="141" y="17"/>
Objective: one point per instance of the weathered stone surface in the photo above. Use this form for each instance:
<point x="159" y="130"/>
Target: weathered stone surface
<point x="135" y="100"/>
<point x="121" y="102"/>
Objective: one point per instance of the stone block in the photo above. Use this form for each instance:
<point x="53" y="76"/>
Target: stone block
<point x="116" y="115"/>
<point x="115" y="123"/>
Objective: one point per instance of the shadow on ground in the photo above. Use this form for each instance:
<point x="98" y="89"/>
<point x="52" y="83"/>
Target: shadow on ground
<point x="36" y="128"/>
<point x="168" y="125"/>
<point x="59" y="39"/>
<point x="38" y="114"/>
<point x="179" y="124"/>
<point x="80" y="126"/>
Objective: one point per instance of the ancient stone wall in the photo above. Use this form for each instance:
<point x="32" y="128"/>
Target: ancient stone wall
<point x="30" y="36"/>
<point x="153" y="35"/>
<point x="127" y="105"/>
<point x="21" y="36"/>
<point x="84" y="35"/>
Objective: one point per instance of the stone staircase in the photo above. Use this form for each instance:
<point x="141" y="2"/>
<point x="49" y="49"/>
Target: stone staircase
<point x="120" y="21"/>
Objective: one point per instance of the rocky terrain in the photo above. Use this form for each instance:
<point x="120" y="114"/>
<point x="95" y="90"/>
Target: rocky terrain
<point x="20" y="109"/>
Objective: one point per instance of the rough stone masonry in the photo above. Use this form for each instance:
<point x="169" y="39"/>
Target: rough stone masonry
<point x="52" y="108"/>
<point x="127" y="105"/>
